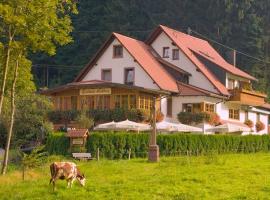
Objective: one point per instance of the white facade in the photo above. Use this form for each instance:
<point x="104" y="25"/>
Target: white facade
<point x="118" y="65"/>
<point x="197" y="78"/>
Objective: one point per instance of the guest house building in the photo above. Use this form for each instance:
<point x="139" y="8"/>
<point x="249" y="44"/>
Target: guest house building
<point x="185" y="73"/>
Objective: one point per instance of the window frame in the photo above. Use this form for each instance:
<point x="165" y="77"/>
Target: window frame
<point x="174" y="57"/>
<point x="125" y="75"/>
<point x="169" y="106"/>
<point x="114" y="51"/>
<point x="106" y="70"/>
<point x="234" y="114"/>
<point x="163" y="52"/>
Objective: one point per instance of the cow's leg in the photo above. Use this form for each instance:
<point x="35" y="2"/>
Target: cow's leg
<point x="72" y="180"/>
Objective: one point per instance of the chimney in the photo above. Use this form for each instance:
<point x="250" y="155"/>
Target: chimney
<point x="231" y="57"/>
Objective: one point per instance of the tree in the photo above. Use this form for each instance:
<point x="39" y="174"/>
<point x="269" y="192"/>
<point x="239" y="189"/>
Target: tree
<point x="38" y="25"/>
<point x="30" y="26"/>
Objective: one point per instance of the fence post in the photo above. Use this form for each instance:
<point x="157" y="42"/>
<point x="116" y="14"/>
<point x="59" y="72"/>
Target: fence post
<point x="129" y="153"/>
<point x="97" y="154"/>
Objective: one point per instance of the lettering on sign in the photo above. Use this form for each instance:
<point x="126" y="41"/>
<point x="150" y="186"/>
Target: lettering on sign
<point x="95" y="91"/>
<point x="77" y="141"/>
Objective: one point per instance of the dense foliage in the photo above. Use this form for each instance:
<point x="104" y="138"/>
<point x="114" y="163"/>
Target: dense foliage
<point x="117" y="145"/>
<point x="99" y="116"/>
<point x="243" y="25"/>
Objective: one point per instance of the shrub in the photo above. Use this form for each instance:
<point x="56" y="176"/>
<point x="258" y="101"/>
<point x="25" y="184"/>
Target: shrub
<point x="260" y="126"/>
<point x="84" y="121"/>
<point x="189" y="118"/>
<point x="249" y="123"/>
<point x="159" y="116"/>
<point x="214" y="119"/>
<point x="116" y="145"/>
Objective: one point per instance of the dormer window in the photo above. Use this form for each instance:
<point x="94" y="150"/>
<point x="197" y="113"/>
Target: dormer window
<point x="129" y="76"/>
<point x="165" y="52"/>
<point x="175" y="54"/>
<point x="117" y="51"/>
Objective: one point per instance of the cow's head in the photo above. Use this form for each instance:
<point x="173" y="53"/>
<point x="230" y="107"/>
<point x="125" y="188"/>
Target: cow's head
<point x="81" y="179"/>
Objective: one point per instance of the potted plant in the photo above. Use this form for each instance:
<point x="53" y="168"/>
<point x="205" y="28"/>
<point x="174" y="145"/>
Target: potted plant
<point x="260" y="126"/>
<point x="249" y="123"/>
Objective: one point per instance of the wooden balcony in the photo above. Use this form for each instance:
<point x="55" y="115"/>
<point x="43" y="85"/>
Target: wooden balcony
<point x="247" y="97"/>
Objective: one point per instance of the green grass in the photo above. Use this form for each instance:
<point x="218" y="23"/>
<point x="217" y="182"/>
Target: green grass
<point x="232" y="176"/>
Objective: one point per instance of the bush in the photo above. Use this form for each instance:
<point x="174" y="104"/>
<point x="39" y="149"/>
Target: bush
<point x="260" y="126"/>
<point x="249" y="123"/>
<point x="84" y="121"/>
<point x="189" y="118"/>
<point x="117" y="145"/>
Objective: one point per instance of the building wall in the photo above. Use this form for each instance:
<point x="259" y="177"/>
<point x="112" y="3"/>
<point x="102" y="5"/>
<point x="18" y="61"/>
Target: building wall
<point x="197" y="78"/>
<point x="222" y="109"/>
<point x="106" y="61"/>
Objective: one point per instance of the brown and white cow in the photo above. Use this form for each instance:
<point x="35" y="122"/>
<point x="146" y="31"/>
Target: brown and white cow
<point x="66" y="171"/>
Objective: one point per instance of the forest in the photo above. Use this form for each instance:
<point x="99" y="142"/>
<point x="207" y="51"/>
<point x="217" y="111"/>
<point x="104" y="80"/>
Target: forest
<point x="242" y="25"/>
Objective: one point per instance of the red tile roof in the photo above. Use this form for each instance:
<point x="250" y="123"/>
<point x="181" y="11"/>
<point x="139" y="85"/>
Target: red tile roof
<point x="189" y="44"/>
<point x="142" y="54"/>
<point x="203" y="48"/>
<point x="77" y="133"/>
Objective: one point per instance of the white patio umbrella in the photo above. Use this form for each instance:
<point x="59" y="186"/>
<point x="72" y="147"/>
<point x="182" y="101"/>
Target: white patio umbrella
<point x="130" y="125"/>
<point x="105" y="126"/>
<point x="123" y="125"/>
<point x="176" y="127"/>
<point x="229" y="128"/>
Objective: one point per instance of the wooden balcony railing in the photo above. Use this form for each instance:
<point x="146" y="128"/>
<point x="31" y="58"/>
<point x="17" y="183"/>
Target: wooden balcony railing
<point x="247" y="97"/>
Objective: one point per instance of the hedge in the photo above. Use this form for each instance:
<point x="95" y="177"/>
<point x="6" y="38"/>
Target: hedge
<point x="117" y="145"/>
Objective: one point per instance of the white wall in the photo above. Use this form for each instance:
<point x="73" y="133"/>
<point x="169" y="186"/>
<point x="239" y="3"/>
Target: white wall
<point x="118" y="65"/>
<point x="178" y="101"/>
<point x="197" y="78"/>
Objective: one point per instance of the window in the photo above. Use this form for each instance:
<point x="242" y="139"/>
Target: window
<point x="106" y="102"/>
<point x="83" y="102"/>
<point x="100" y="102"/>
<point x="117" y="51"/>
<point x="141" y="102"/>
<point x="146" y="103"/>
<point x="65" y="103"/>
<point x="117" y="101"/>
<point x="124" y="101"/>
<point x="165" y="52"/>
<point x="132" y="101"/>
<point x="187" y="107"/>
<point x="106" y="74"/>
<point x="209" y="107"/>
<point x="74" y="102"/>
<point x="175" y="54"/>
<point x="230" y="84"/>
<point x="91" y="102"/>
<point x="129" y="76"/>
<point x="169" y="106"/>
<point x="234" y="114"/>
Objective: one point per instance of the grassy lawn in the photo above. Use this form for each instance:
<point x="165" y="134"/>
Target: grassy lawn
<point x="233" y="176"/>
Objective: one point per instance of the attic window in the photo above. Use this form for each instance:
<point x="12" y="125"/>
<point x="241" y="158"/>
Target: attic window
<point x="175" y="54"/>
<point x="165" y="52"/>
<point x="117" y="51"/>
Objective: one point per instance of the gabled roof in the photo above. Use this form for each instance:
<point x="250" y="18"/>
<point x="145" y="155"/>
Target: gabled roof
<point x="77" y="133"/>
<point x="143" y="56"/>
<point x="189" y="44"/>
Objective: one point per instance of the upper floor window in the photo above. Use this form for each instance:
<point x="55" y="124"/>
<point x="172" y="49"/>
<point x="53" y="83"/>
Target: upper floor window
<point x="231" y="84"/>
<point x="129" y="76"/>
<point x="117" y="51"/>
<point x="175" y="54"/>
<point x="234" y="114"/>
<point x="106" y="75"/>
<point x="165" y="52"/>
